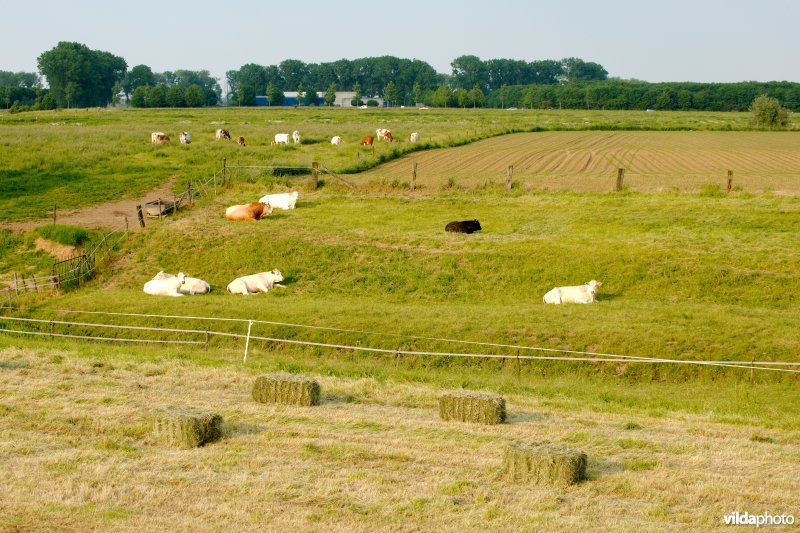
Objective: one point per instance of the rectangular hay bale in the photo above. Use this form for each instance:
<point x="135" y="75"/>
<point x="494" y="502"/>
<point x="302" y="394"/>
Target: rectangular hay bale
<point x="543" y="463"/>
<point x="286" y="389"/>
<point x="470" y="406"/>
<point x="186" y="427"/>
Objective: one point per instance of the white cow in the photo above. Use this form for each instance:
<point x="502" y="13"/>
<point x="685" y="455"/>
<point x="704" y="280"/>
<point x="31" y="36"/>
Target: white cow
<point x="579" y="294"/>
<point x="336" y="140"/>
<point x="190" y="285"/>
<point x="414" y="137"/>
<point x="282" y="200"/>
<point x="223" y="134"/>
<point x="281" y="138"/>
<point x="155" y="135"/>
<point x="296" y="136"/>
<point x="255" y="283"/>
<point x="165" y="287"/>
<point x="381" y="133"/>
<point x="185" y="137"/>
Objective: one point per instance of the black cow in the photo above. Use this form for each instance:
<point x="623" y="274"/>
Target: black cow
<point x="463" y="226"/>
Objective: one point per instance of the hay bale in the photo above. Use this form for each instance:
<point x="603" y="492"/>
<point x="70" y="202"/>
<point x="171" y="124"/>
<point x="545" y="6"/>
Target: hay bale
<point x="286" y="389"/>
<point x="470" y="406"/>
<point x="543" y="463"/>
<point x="186" y="427"/>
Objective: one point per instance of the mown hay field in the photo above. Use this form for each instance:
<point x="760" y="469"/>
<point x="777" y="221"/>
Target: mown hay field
<point x="654" y="161"/>
<point x="78" y="452"/>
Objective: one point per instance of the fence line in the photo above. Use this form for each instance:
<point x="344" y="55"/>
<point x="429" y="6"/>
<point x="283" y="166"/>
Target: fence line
<point x="747" y="365"/>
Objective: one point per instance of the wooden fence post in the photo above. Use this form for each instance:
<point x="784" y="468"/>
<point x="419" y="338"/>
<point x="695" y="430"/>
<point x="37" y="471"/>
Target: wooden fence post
<point x="126" y="223"/>
<point x="730" y="180"/>
<point x="159" y="208"/>
<point x="314" y="175"/>
<point x="189" y="192"/>
<point x="224" y="166"/>
<point x="414" y="177"/>
<point x="16" y="284"/>
<point x="620" y="178"/>
<point x="54" y="213"/>
<point x="35" y="286"/>
<point x="509" y="175"/>
<point x="140" y="215"/>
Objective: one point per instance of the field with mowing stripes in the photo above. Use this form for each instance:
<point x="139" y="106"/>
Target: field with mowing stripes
<point x="655" y="161"/>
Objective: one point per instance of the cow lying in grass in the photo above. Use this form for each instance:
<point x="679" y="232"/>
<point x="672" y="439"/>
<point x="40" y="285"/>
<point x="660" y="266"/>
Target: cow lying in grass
<point x="280" y="200"/>
<point x="255" y="283"/>
<point x="190" y="285"/>
<point x="579" y="294"/>
<point x="165" y="287"/>
<point x="463" y="226"/>
<point x="248" y="212"/>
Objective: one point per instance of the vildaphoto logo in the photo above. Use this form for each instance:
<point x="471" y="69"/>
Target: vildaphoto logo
<point x="758" y="520"/>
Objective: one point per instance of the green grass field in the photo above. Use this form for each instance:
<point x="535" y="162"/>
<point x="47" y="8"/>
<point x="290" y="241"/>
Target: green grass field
<point x="689" y="273"/>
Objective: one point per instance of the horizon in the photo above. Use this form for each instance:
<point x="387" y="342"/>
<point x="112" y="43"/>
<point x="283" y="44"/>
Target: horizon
<point x="704" y="48"/>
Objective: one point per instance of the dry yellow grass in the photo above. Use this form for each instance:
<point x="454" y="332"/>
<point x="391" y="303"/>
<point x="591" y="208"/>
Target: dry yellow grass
<point x="76" y="453"/>
<point x="587" y="161"/>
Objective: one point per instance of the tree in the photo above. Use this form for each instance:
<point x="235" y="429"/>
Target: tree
<point x="194" y="96"/>
<point x="461" y="97"/>
<point x="330" y="95"/>
<point x="356" y="101"/>
<point x="156" y="96"/>
<point x="311" y="97"/>
<point x="139" y="97"/>
<point x="301" y="92"/>
<point x="442" y="96"/>
<point x="88" y="75"/>
<point x="136" y="77"/>
<point x="275" y="95"/>
<point x="176" y="96"/>
<point x="417" y="92"/>
<point x="390" y="93"/>
<point x="115" y="92"/>
<point x="476" y="97"/>
<point x="468" y="71"/>
<point x="768" y="113"/>
<point x="246" y="95"/>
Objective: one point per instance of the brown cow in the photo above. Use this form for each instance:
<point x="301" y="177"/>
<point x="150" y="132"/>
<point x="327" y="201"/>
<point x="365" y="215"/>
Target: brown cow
<point x="247" y="212"/>
<point x="388" y="136"/>
<point x="366" y="140"/>
<point x="240" y="141"/>
<point x="162" y="139"/>
<point x="223" y="134"/>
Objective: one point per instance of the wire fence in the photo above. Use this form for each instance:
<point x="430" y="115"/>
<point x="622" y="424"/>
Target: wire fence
<point x="85" y="330"/>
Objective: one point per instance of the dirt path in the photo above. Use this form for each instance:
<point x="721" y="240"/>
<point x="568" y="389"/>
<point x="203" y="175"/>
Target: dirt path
<point x="110" y="215"/>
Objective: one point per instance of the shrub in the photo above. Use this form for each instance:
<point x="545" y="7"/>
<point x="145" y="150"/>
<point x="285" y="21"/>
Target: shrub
<point x="768" y="113"/>
<point x="69" y="235"/>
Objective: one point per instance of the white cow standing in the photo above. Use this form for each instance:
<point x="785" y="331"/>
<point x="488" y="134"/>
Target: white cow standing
<point x="578" y="294"/>
<point x="190" y="285"/>
<point x="155" y="135"/>
<point x="255" y="283"/>
<point x="185" y="137"/>
<point x="296" y="136"/>
<point x="281" y="138"/>
<point x="165" y="287"/>
<point x="381" y="133"/>
<point x="282" y="200"/>
<point x="414" y="137"/>
<point x="336" y="140"/>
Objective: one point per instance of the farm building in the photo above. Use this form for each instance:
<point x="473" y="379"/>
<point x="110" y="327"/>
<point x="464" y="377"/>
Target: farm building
<point x="343" y="99"/>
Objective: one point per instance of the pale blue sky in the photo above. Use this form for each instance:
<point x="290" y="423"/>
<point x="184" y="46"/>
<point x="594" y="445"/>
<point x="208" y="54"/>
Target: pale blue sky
<point x="679" y="40"/>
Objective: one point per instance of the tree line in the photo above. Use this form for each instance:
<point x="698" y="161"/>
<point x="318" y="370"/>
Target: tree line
<point x="80" y="77"/>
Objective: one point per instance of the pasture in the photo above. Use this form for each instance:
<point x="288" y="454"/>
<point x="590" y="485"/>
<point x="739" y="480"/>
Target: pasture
<point x="689" y="273"/>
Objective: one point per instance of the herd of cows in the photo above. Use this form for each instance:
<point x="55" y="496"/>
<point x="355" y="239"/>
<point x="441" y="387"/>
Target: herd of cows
<point x="159" y="137"/>
<point x="178" y="285"/>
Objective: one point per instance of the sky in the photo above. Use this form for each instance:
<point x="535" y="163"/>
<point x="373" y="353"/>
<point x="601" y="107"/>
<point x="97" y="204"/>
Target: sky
<point x="680" y="40"/>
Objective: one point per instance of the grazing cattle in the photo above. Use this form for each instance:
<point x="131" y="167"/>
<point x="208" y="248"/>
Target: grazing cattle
<point x="165" y="287"/>
<point x="281" y="200"/>
<point x="388" y="136"/>
<point x="579" y="294"/>
<point x="281" y="138"/>
<point x="381" y="133"/>
<point x="161" y="138"/>
<point x="240" y="141"/>
<point x="367" y="140"/>
<point x="248" y="212"/>
<point x="190" y="285"/>
<point x="336" y="140"/>
<point x="155" y="135"/>
<point x="296" y="136"/>
<point x="255" y="283"/>
<point x="463" y="226"/>
<point x="223" y="134"/>
<point x="185" y="137"/>
<point x="414" y="137"/>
